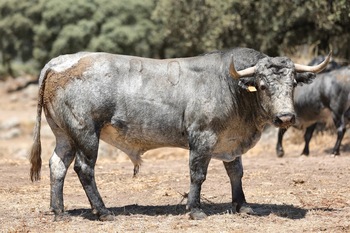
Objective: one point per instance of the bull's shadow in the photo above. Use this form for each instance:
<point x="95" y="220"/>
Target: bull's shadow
<point x="344" y="150"/>
<point x="285" y="211"/>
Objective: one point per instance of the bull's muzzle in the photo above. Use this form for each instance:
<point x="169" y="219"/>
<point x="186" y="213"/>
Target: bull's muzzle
<point x="284" y="120"/>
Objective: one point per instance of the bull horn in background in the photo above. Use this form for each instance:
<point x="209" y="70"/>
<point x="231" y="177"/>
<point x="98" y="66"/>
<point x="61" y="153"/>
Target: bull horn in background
<point x="242" y="73"/>
<point x="314" y="69"/>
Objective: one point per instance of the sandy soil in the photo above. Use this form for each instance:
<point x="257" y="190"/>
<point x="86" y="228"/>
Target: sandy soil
<point x="290" y="194"/>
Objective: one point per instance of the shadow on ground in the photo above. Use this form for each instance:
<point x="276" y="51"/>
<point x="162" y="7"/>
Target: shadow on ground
<point x="345" y="148"/>
<point x="284" y="211"/>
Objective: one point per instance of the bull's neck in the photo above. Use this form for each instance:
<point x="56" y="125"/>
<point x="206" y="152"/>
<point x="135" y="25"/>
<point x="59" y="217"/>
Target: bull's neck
<point x="247" y="105"/>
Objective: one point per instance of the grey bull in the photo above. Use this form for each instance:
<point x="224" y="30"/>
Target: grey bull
<point x="136" y="104"/>
<point x="329" y="93"/>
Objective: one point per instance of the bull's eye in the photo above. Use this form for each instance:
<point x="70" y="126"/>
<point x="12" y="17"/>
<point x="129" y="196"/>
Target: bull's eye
<point x="295" y="83"/>
<point x="262" y="86"/>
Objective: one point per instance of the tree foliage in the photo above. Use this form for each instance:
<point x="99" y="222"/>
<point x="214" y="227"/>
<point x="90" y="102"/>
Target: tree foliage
<point x="16" y="34"/>
<point x="37" y="30"/>
<point x="123" y="26"/>
<point x="191" y="27"/>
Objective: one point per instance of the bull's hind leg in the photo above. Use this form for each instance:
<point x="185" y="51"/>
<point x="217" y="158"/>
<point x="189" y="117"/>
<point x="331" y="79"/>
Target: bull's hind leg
<point x="85" y="168"/>
<point x="60" y="160"/>
<point x="234" y="170"/>
<point x="339" y="122"/>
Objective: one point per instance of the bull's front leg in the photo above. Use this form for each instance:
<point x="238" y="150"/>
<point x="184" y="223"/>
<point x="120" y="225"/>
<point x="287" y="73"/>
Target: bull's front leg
<point x="198" y="170"/>
<point x="279" y="146"/>
<point x="307" y="137"/>
<point x="234" y="170"/>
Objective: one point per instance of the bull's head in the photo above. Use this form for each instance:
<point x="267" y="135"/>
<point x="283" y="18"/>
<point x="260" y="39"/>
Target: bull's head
<point x="274" y="80"/>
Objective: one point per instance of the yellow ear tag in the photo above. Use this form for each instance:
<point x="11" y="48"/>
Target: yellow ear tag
<point x="251" y="89"/>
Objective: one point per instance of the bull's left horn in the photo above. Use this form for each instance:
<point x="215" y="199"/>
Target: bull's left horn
<point x="315" y="69"/>
<point x="242" y="73"/>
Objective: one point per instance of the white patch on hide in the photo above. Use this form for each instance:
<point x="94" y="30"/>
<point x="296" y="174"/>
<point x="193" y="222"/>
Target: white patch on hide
<point x="61" y="63"/>
<point x="57" y="167"/>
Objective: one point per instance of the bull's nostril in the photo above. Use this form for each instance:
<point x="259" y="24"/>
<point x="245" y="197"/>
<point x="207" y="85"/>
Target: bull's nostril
<point x="293" y="119"/>
<point x="277" y="121"/>
<point x="287" y="118"/>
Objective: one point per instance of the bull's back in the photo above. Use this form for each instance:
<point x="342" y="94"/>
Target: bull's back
<point x="328" y="92"/>
<point x="134" y="101"/>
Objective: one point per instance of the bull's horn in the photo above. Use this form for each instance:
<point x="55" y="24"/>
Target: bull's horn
<point x="315" y="69"/>
<point x="242" y="73"/>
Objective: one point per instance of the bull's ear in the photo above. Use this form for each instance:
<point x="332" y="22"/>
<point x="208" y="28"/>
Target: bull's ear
<point x="248" y="84"/>
<point x="305" y="77"/>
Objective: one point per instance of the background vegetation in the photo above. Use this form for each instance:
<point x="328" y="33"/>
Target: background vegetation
<point x="34" y="31"/>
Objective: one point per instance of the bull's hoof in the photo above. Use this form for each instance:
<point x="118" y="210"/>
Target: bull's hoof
<point x="305" y="153"/>
<point x="334" y="155"/>
<point x="280" y="153"/>
<point x="106" y="217"/>
<point x="197" y="214"/>
<point x="62" y="217"/>
<point x="242" y="209"/>
<point x="246" y="209"/>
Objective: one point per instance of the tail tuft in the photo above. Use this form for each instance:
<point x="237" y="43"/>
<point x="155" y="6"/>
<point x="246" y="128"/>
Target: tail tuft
<point x="35" y="160"/>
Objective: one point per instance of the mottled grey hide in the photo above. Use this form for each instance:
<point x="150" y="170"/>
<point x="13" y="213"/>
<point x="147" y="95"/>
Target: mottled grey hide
<point x="138" y="104"/>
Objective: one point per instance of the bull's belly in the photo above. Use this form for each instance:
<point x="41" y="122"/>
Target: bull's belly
<point x="230" y="148"/>
<point x="132" y="142"/>
<point x="136" y="143"/>
<point x="323" y="116"/>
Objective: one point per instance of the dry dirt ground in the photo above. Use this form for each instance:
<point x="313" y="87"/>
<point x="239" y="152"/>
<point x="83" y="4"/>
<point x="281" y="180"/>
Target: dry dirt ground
<point x="290" y="194"/>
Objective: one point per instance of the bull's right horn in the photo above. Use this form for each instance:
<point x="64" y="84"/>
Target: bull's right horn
<point x="314" y="69"/>
<point x="242" y="73"/>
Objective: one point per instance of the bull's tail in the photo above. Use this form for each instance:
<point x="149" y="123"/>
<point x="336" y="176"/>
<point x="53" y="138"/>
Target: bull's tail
<point x="35" y="154"/>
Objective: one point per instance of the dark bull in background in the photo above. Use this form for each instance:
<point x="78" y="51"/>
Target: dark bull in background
<point x="136" y="104"/>
<point x="329" y="92"/>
